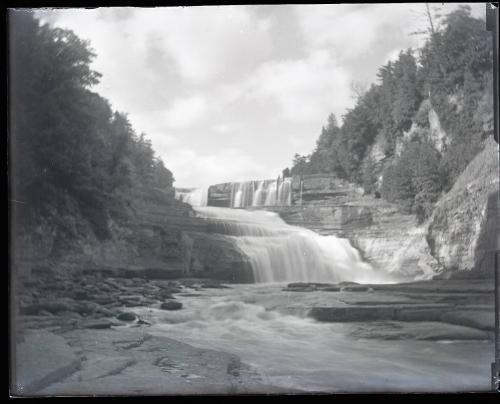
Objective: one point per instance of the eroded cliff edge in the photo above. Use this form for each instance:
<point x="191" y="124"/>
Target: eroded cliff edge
<point x="459" y="239"/>
<point x="162" y="237"/>
<point x="159" y="237"/>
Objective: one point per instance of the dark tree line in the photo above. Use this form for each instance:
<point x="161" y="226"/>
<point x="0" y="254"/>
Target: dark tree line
<point x="66" y="143"/>
<point x="451" y="73"/>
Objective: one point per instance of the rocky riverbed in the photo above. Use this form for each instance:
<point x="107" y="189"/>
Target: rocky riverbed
<point x="95" y="334"/>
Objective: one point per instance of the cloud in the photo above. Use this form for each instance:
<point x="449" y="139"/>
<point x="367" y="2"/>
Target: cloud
<point x="194" y="169"/>
<point x="186" y="112"/>
<point x="232" y="92"/>
<point x="303" y="89"/>
<point x="205" y="42"/>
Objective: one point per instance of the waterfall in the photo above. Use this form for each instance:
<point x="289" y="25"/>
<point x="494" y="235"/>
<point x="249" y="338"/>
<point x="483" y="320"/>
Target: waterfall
<point x="257" y="197"/>
<point x="261" y="193"/>
<point x="271" y="194"/>
<point x="285" y="192"/>
<point x="195" y="197"/>
<point x="279" y="252"/>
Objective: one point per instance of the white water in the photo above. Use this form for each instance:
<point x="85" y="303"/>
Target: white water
<point x="297" y="352"/>
<point x="261" y="193"/>
<point x="301" y="353"/>
<point x="279" y="252"/>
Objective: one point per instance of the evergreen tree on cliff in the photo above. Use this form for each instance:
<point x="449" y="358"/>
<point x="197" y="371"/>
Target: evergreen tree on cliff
<point x="452" y="76"/>
<point x="66" y="144"/>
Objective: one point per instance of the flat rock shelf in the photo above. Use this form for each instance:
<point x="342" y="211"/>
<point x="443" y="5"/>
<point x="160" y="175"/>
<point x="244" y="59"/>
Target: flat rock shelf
<point x="219" y="340"/>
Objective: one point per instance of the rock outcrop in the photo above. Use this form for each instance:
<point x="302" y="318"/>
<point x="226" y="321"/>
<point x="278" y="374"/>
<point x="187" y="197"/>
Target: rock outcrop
<point x="161" y="237"/>
<point x="463" y="228"/>
<point x="458" y="240"/>
<point x="389" y="240"/>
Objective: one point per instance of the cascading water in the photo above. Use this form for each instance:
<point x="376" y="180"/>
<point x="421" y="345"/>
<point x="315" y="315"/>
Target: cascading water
<point x="261" y="193"/>
<point x="282" y="253"/>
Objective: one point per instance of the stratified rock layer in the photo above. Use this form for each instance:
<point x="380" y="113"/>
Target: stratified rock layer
<point x="160" y="237"/>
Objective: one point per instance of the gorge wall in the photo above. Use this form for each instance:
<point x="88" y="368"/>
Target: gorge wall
<point x="389" y="240"/>
<point x="462" y="232"/>
<point x="459" y="239"/>
<point x="160" y="238"/>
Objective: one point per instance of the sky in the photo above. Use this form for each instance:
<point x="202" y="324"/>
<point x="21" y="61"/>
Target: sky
<point x="231" y="93"/>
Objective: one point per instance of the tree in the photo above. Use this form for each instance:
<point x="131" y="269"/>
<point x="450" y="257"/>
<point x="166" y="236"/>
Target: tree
<point x="406" y="93"/>
<point x="69" y="150"/>
<point x="368" y="175"/>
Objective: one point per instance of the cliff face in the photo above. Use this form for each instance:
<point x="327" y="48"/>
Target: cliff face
<point x="464" y="225"/>
<point x="161" y="237"/>
<point x="391" y="241"/>
<point x="458" y="240"/>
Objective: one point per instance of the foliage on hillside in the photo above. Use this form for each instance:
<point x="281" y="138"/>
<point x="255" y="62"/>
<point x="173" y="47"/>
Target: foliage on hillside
<point x="66" y="143"/>
<point x="451" y="73"/>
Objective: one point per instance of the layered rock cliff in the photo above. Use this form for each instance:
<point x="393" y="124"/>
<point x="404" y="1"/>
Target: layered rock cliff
<point x="388" y="239"/>
<point x="459" y="239"/>
<point x="463" y="229"/>
<point x="160" y="237"/>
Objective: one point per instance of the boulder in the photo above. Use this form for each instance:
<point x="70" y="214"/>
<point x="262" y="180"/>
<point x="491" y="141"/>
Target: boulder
<point x="126" y="316"/>
<point x="355" y="288"/>
<point x="96" y="324"/>
<point x="171" y="305"/>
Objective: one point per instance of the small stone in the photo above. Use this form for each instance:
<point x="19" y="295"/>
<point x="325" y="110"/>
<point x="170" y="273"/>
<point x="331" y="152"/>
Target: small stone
<point x="127" y="316"/>
<point x="140" y="321"/>
<point x="96" y="324"/>
<point x="80" y="295"/>
<point x="355" y="288"/>
<point x="331" y="289"/>
<point x="30" y="310"/>
<point x="171" y="305"/>
<point x="214" y="286"/>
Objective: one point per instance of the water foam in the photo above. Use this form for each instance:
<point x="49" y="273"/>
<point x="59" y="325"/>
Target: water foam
<point x="279" y="252"/>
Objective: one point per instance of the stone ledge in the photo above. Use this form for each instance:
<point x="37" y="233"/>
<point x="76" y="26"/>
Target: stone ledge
<point x="41" y="359"/>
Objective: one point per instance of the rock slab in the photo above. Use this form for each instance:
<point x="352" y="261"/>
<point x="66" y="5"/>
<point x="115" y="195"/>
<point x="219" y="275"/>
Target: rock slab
<point x="41" y="359"/>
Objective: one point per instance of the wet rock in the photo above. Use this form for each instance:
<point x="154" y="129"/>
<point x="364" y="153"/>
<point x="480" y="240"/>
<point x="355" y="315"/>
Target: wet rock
<point x="171" y="305"/>
<point x="127" y="316"/>
<point x="53" y="307"/>
<point x="422" y="330"/>
<point x="44" y="313"/>
<point x="131" y="298"/>
<point x="83" y="308"/>
<point x="162" y="273"/>
<point x="300" y="287"/>
<point x="213" y="285"/>
<point x="353" y="313"/>
<point x="103" y="300"/>
<point x="96" y="324"/>
<point x="42" y="269"/>
<point x="29" y="283"/>
<point x="30" y="309"/>
<point x="133" y="303"/>
<point x="331" y="288"/>
<point x="79" y="295"/>
<point x="347" y="283"/>
<point x="481" y="319"/>
<point x="164" y="294"/>
<point x="42" y="358"/>
<point x="355" y="288"/>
